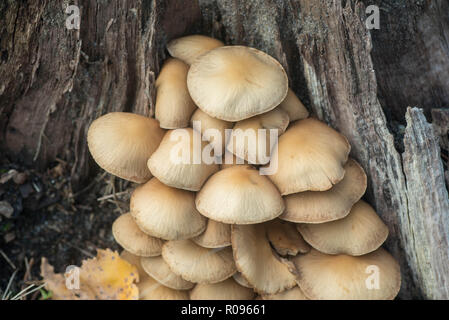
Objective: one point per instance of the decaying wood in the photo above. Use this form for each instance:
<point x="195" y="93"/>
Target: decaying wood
<point x="427" y="244"/>
<point x="54" y="82"/>
<point x="411" y="55"/>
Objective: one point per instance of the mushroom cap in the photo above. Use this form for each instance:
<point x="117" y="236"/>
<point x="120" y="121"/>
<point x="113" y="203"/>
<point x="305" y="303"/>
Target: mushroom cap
<point x="285" y="239"/>
<point x="122" y="142"/>
<point x="225" y="290"/>
<point x="360" y="232"/>
<point x="198" y="264"/>
<point x="330" y="205"/>
<point x="234" y="161"/>
<point x="181" y="175"/>
<point x="188" y="48"/>
<point x="158" y="269"/>
<point x="294" y="293"/>
<point x="311" y="156"/>
<point x="254" y="258"/>
<point x="294" y="107"/>
<point x="135" y="261"/>
<point x="174" y="106"/>
<point x="247" y="142"/>
<point x="342" y="277"/>
<point x="239" y="195"/>
<point x="165" y="212"/>
<point x="129" y="236"/>
<point x="207" y="123"/>
<point x="240" y="279"/>
<point x="216" y="235"/>
<point x="233" y="83"/>
<point x="150" y="289"/>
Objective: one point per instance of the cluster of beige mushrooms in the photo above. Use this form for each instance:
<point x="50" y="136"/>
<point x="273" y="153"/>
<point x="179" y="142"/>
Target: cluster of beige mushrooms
<point x="221" y="230"/>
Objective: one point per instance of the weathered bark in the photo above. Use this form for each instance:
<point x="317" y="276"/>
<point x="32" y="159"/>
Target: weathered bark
<point x="428" y="207"/>
<point x="54" y="82"/>
<point x="411" y="55"/>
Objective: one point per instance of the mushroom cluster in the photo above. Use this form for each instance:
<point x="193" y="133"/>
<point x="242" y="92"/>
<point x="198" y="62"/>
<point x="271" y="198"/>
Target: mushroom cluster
<point x="227" y="229"/>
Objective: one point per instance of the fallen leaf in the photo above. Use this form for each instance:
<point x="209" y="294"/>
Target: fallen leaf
<point x="105" y="277"/>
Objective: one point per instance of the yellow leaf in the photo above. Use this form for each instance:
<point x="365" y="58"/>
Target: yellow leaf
<point x="105" y="277"/>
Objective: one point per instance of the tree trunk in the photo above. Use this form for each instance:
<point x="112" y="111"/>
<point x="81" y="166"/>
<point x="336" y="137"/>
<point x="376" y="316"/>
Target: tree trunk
<point x="55" y="81"/>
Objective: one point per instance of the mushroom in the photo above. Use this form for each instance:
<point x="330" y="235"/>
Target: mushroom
<point x="240" y="279"/>
<point x="239" y="195"/>
<point x="294" y="107"/>
<point x="129" y="236"/>
<point x="311" y="157"/>
<point x="360" y="232"/>
<point x="254" y="258"/>
<point x="229" y="160"/>
<point x="121" y="144"/>
<point x="208" y="124"/>
<point x="150" y="289"/>
<point x="187" y="170"/>
<point x="225" y="290"/>
<point x="174" y="106"/>
<point x="158" y="269"/>
<point x="343" y="277"/>
<point x="252" y="140"/>
<point x="135" y="261"/>
<point x="198" y="264"/>
<point x="330" y="205"/>
<point x="165" y="212"/>
<point x="234" y="83"/>
<point x="294" y="293"/>
<point x="285" y="239"/>
<point x="216" y="235"/>
<point x="188" y="48"/>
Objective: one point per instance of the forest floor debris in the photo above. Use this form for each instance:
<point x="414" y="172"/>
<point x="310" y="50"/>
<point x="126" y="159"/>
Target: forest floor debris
<point x="42" y="217"/>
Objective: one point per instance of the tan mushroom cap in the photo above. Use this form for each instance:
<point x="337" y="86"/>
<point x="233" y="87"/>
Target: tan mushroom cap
<point x="150" y="289"/>
<point x="135" y="261"/>
<point x="188" y="48"/>
<point x="294" y="107"/>
<point x="216" y="235"/>
<point x="121" y="144"/>
<point x="251" y="138"/>
<point x="168" y="165"/>
<point x="240" y="279"/>
<point x="174" y="106"/>
<point x="129" y="236"/>
<point x="267" y="273"/>
<point x="330" y="205"/>
<point x="225" y="290"/>
<point x="207" y="125"/>
<point x="165" y="212"/>
<point x="198" y="264"/>
<point x="229" y="160"/>
<point x="311" y="157"/>
<point x="342" y="277"/>
<point x="294" y="293"/>
<point x="285" y="239"/>
<point x="239" y="195"/>
<point x="360" y="232"/>
<point x="233" y="83"/>
<point x="158" y="269"/>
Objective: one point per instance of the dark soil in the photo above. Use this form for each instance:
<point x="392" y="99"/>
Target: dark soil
<point x="51" y="221"/>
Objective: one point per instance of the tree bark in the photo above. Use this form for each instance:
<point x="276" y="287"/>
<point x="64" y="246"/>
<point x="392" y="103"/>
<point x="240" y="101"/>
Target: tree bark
<point x="54" y="82"/>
